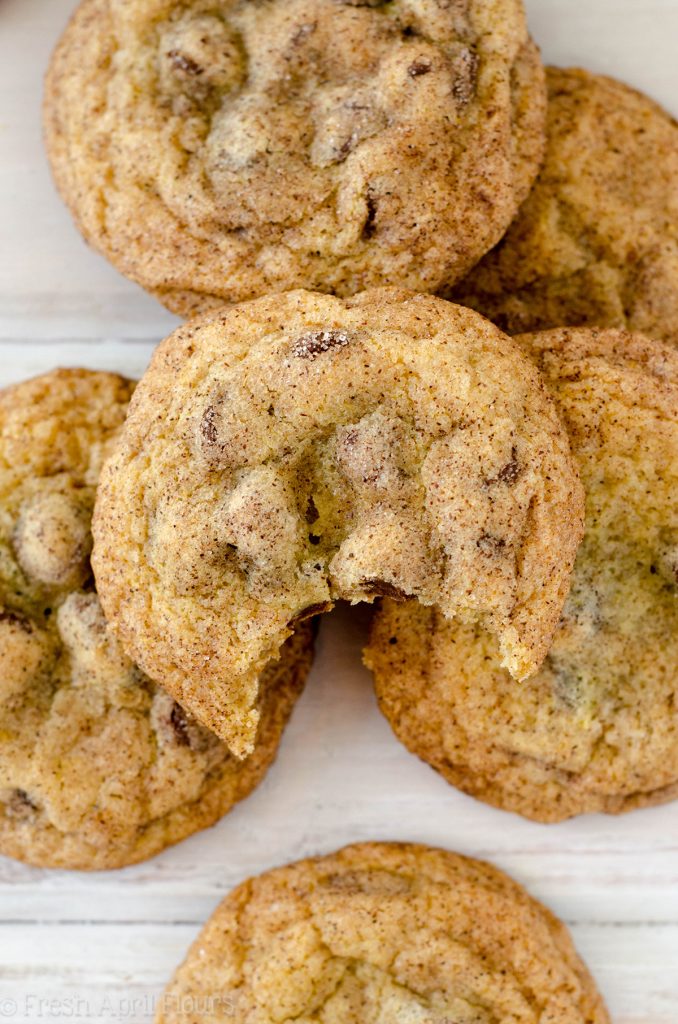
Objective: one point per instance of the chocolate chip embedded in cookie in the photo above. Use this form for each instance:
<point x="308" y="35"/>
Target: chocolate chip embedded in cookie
<point x="98" y="766"/>
<point x="596" y="242"/>
<point x="26" y="654"/>
<point x="52" y="539"/>
<point x="301" y="449"/>
<point x="383" y="932"/>
<point x="597" y="728"/>
<point x="216" y="153"/>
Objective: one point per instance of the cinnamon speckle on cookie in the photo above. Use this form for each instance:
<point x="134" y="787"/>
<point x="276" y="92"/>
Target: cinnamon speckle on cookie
<point x="412" y="451"/>
<point x="384" y="932"/>
<point x="596" y="241"/>
<point x="296" y="143"/>
<point x="596" y="729"/>
<point x="98" y="766"/>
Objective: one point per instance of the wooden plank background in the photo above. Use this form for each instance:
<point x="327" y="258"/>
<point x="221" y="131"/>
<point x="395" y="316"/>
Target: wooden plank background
<point x="100" y="947"/>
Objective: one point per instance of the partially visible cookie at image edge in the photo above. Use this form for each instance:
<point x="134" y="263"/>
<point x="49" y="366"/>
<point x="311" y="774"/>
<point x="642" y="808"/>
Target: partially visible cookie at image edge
<point x="596" y="729"/>
<point x="98" y="767"/>
<point x="219" y="151"/>
<point x="383" y="931"/>
<point x="596" y="241"/>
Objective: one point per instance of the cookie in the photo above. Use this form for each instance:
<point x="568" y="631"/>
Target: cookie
<point x="383" y="932"/>
<point x="300" y="449"/>
<point x="98" y="767"/>
<point x="597" y="728"/>
<point x="215" y="151"/>
<point x="596" y="242"/>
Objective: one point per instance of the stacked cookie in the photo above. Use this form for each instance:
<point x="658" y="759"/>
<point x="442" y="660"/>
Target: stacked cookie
<point x="305" y="175"/>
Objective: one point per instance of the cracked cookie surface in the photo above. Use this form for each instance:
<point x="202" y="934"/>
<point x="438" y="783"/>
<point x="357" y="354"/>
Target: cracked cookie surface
<point x="596" y="241"/>
<point x="98" y="767"/>
<point x="216" y="150"/>
<point x="596" y="729"/>
<point x="383" y="932"/>
<point x="301" y="449"/>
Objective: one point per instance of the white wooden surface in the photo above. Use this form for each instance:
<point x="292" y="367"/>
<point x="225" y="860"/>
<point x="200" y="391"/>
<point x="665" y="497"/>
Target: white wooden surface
<point x="100" y="947"/>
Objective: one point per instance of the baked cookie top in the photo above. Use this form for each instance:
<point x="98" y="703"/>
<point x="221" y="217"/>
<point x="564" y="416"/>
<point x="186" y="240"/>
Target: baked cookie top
<point x="299" y="449"/>
<point x="216" y="150"/>
<point x="383" y="931"/>
<point x="98" y="767"/>
<point x="596" y="242"/>
<point x="596" y="729"/>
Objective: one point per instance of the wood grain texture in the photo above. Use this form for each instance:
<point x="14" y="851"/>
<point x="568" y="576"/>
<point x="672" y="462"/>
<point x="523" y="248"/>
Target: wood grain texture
<point x="108" y="942"/>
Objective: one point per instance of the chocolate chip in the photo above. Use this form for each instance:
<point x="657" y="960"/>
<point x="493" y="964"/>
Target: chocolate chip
<point x="303" y="32"/>
<point x="393" y="640"/>
<point x="490" y="545"/>
<point x="315" y="343"/>
<point x="20" y="805"/>
<point x="509" y="473"/>
<point x="313" y="538"/>
<point x="310" y="611"/>
<point x="380" y="588"/>
<point x="347" y="146"/>
<point x="567" y="685"/>
<point x="312" y="514"/>
<point x="22" y="797"/>
<point x="419" y="67"/>
<point x="220" y="437"/>
<point x="20" y="621"/>
<point x="344" y="125"/>
<point x="183" y="63"/>
<point x="52" y="538"/>
<point x="175" y="728"/>
<point x="369" y="227"/>
<point x="667" y="558"/>
<point x="179" y="723"/>
<point x="466" y="72"/>
<point x="208" y="425"/>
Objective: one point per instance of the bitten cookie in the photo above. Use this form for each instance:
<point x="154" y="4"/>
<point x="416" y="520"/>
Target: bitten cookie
<point x="597" y="728"/>
<point x="383" y="932"/>
<point x="216" y="151"/>
<point x="300" y="449"/>
<point x="98" y="767"/>
<point x="596" y="242"/>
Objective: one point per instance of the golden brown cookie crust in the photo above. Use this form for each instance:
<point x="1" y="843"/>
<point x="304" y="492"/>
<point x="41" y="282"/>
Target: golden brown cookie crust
<point x="383" y="931"/>
<point x="98" y="767"/>
<point x="219" y="151"/>
<point x="302" y="448"/>
<point x="596" y="242"/>
<point x="596" y="728"/>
